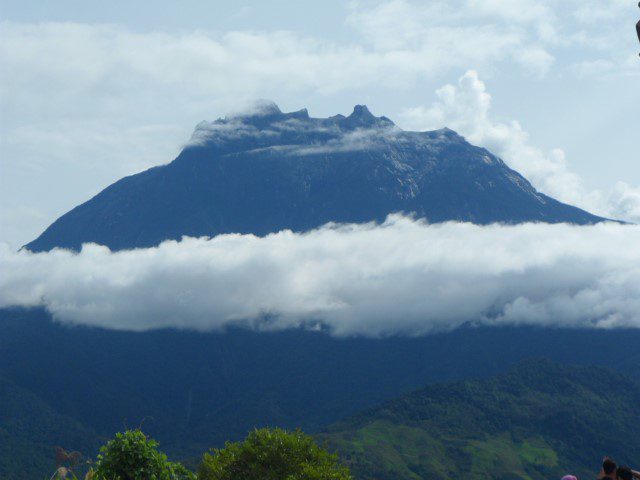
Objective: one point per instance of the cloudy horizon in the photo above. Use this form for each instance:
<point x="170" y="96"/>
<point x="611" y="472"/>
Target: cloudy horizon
<point x="402" y="277"/>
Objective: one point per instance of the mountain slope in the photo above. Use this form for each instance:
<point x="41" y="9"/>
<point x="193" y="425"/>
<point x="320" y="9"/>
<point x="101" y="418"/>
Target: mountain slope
<point x="195" y="390"/>
<point x="29" y="431"/>
<point x="270" y="171"/>
<point x="539" y="421"/>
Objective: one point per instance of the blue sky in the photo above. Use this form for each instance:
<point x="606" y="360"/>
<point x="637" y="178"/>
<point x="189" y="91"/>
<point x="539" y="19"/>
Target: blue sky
<point x="92" y="91"/>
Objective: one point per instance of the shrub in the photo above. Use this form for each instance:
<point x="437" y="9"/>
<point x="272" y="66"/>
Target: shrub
<point x="272" y="454"/>
<point x="133" y="456"/>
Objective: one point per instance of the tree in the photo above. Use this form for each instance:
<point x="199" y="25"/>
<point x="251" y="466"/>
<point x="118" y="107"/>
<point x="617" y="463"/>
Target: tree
<point x="272" y="454"/>
<point x="133" y="456"/>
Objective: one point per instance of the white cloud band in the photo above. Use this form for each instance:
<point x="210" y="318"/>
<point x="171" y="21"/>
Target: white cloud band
<point x="402" y="277"/>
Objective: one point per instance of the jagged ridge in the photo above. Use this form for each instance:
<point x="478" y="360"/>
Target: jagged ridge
<point x="266" y="171"/>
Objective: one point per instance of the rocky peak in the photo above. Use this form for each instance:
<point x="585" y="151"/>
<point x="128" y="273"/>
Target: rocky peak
<point x="361" y="117"/>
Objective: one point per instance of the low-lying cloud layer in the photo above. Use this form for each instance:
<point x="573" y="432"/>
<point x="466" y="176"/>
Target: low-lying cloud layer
<point x="402" y="277"/>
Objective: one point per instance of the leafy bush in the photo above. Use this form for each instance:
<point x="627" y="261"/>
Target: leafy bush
<point x="272" y="454"/>
<point x="132" y="456"/>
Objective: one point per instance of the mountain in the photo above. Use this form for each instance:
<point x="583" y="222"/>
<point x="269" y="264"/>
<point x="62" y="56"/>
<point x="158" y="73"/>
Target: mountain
<point x="194" y="390"/>
<point x="538" y="421"/>
<point x="29" y="431"/>
<point x="268" y="171"/>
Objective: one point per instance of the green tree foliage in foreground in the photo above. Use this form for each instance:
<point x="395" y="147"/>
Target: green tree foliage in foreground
<point x="133" y="456"/>
<point x="266" y="454"/>
<point x="272" y="454"/>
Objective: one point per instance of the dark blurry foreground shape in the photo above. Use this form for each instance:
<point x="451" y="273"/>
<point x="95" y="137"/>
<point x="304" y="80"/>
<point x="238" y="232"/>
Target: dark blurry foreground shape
<point x="638" y="26"/>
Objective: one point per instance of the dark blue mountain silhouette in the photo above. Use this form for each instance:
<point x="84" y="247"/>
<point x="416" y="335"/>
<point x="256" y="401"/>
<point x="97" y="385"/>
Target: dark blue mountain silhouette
<point x="195" y="390"/>
<point x="268" y="171"/>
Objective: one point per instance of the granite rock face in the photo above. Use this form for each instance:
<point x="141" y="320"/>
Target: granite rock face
<point x="267" y="171"/>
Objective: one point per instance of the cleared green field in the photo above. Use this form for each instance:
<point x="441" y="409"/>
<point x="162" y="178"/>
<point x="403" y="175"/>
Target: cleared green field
<point x="538" y="421"/>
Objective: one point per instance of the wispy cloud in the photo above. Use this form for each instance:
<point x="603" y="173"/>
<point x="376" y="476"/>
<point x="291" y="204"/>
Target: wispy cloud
<point x="466" y="107"/>
<point x="402" y="277"/>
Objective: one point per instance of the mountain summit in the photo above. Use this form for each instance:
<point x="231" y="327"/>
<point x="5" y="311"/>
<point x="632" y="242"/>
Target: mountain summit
<point x="263" y="171"/>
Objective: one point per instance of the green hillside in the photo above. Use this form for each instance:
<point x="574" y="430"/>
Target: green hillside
<point x="29" y="430"/>
<point x="538" y="421"/>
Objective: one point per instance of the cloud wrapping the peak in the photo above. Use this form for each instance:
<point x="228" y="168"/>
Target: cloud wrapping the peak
<point x="402" y="277"/>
